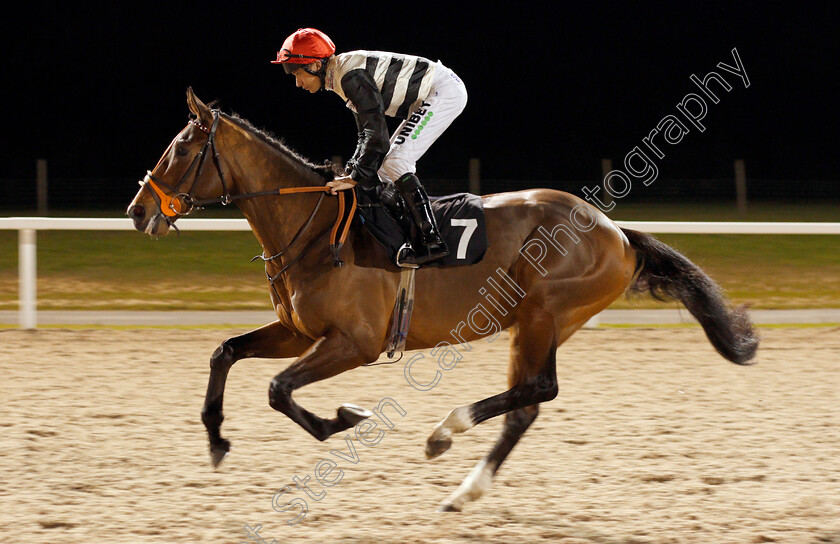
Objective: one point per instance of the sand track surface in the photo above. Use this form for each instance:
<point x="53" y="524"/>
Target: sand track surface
<point x="653" y="438"/>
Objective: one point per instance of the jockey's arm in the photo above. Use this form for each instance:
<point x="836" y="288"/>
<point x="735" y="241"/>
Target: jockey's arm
<point x="373" y="142"/>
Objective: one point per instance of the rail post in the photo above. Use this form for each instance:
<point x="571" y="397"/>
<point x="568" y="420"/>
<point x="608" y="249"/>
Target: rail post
<point x="475" y="176"/>
<point x="606" y="168"/>
<point x="28" y="278"/>
<point x="741" y="186"/>
<point x="41" y="183"/>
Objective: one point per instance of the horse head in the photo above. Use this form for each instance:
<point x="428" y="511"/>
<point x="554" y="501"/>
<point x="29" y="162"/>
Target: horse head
<point x="188" y="174"/>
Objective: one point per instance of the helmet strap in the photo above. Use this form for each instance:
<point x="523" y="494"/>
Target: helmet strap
<point x="321" y="72"/>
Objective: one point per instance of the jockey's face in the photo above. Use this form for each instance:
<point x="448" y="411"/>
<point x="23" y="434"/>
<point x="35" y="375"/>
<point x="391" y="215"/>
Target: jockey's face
<point x="305" y="80"/>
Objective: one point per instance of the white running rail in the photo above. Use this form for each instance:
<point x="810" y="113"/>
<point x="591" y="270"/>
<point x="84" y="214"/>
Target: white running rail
<point x="28" y="226"/>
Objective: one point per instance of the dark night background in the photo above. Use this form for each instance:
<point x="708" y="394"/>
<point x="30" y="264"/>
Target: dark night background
<point x="98" y="88"/>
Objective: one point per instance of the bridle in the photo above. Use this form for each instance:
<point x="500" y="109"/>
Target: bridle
<point x="173" y="202"/>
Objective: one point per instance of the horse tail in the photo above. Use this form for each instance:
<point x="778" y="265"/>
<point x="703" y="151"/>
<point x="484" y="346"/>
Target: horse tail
<point x="666" y="274"/>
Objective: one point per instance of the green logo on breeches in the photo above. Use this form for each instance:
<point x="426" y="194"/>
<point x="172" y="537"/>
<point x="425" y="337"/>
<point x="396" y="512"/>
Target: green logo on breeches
<point x="421" y="125"/>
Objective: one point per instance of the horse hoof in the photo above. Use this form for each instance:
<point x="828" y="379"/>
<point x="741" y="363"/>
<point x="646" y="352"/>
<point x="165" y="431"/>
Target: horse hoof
<point x="446" y="507"/>
<point x="218" y="452"/>
<point x="435" y="447"/>
<point x="352" y="414"/>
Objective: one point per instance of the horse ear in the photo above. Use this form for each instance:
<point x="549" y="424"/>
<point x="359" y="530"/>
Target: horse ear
<point x="198" y="108"/>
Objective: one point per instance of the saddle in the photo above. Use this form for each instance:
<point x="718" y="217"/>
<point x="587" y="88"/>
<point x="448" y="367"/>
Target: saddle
<point x="460" y="219"/>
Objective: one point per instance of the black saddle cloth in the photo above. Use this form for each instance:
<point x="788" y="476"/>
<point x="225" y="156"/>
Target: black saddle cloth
<point x="460" y="218"/>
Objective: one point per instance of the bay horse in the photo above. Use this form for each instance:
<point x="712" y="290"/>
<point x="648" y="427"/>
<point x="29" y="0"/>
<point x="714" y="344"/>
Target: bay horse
<point x="565" y="260"/>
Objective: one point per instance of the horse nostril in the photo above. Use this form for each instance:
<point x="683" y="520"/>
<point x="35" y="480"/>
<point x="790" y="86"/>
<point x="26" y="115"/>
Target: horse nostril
<point x="137" y="211"/>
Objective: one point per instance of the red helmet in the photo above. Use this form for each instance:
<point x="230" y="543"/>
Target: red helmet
<point x="304" y="46"/>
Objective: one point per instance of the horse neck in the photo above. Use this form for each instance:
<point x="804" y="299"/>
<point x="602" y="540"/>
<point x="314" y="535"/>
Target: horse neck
<point x="257" y="166"/>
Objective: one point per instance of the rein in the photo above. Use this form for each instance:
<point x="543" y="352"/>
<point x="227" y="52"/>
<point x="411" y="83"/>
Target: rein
<point x="173" y="204"/>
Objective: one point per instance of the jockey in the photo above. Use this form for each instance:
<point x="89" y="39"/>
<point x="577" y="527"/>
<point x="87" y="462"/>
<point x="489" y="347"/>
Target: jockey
<point x="428" y="96"/>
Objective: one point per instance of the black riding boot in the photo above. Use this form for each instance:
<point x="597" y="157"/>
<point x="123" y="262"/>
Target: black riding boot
<point x="429" y="244"/>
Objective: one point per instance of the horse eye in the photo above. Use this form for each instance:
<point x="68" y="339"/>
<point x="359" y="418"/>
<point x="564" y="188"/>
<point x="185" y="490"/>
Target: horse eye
<point x="181" y="150"/>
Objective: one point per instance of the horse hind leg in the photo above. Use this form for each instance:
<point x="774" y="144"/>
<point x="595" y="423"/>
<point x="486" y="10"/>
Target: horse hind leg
<point x="480" y="478"/>
<point x="533" y="379"/>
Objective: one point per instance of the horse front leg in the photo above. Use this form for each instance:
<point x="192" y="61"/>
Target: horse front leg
<point x="330" y="355"/>
<point x="270" y="341"/>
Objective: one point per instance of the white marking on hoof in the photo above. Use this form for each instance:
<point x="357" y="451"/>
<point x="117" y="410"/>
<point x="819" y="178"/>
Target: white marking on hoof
<point x="477" y="482"/>
<point x="218" y="454"/>
<point x="458" y="421"/>
<point x="217" y="457"/>
<point x="356" y="411"/>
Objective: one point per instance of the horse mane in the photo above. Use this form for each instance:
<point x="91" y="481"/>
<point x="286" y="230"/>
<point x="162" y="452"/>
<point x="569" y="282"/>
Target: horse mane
<point x="326" y="170"/>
